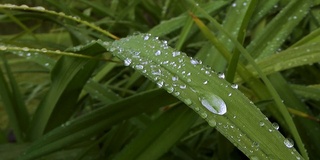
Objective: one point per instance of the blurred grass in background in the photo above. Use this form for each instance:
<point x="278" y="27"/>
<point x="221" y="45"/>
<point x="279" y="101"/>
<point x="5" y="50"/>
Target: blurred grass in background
<point x="64" y="96"/>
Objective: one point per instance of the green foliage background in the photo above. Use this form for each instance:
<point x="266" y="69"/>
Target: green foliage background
<point x="66" y="90"/>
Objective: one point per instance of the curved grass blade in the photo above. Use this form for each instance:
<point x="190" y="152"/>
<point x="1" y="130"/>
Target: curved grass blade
<point x="207" y="93"/>
<point x="60" y="14"/>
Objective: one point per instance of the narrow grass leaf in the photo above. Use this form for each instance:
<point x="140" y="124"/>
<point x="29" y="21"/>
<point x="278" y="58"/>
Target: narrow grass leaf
<point x="290" y="58"/>
<point x="309" y="92"/>
<point x="275" y="33"/>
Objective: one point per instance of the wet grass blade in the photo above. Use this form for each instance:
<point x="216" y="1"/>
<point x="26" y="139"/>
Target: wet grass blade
<point x="206" y="93"/>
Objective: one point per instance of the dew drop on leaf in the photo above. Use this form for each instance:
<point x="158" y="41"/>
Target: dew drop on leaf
<point x="188" y="102"/>
<point x="158" y="53"/>
<point x="160" y="84"/>
<point x="139" y="67"/>
<point x="127" y="62"/>
<point x="288" y="142"/>
<point x="203" y="115"/>
<point x="234" y="86"/>
<point x="174" y="54"/>
<point x="212" y="122"/>
<point x="213" y="103"/>
<point x="275" y="125"/>
<point x="221" y="75"/>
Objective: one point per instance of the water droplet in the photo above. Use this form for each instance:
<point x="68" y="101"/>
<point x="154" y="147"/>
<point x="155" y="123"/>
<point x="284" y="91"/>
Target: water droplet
<point x="44" y="50"/>
<point x="275" y="125"/>
<point x="170" y="89"/>
<point x="188" y="102"/>
<point x="40" y="8"/>
<point x="194" y="61"/>
<point x="205" y="82"/>
<point x="234" y="4"/>
<point x="221" y="75"/>
<point x="203" y="115"/>
<point x="230" y="94"/>
<point x="174" y="78"/>
<point x="288" y="142"/>
<point x="183" y="86"/>
<point x="160" y="84"/>
<point x="213" y="103"/>
<point x="174" y="54"/>
<point x="212" y="122"/>
<point x="234" y="86"/>
<point x="139" y="66"/>
<point x="25" y="49"/>
<point x="127" y="62"/>
<point x="158" y="53"/>
<point x="261" y="123"/>
<point x="146" y="37"/>
<point x="176" y="93"/>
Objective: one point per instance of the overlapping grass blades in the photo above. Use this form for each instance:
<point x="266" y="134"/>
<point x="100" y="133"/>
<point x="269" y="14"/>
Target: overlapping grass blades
<point x="119" y="119"/>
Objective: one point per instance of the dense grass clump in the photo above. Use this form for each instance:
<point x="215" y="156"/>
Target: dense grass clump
<point x="149" y="79"/>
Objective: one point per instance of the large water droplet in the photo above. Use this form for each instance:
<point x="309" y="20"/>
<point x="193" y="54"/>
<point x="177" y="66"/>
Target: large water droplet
<point x="213" y="103"/>
<point x="288" y="142"/>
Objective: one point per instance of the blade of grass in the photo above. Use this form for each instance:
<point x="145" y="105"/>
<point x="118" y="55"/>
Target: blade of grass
<point x="142" y="53"/>
<point x="275" y="33"/>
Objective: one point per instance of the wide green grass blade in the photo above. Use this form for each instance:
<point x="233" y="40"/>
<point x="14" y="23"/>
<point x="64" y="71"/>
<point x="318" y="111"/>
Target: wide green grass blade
<point x="79" y="129"/>
<point x="206" y="93"/>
